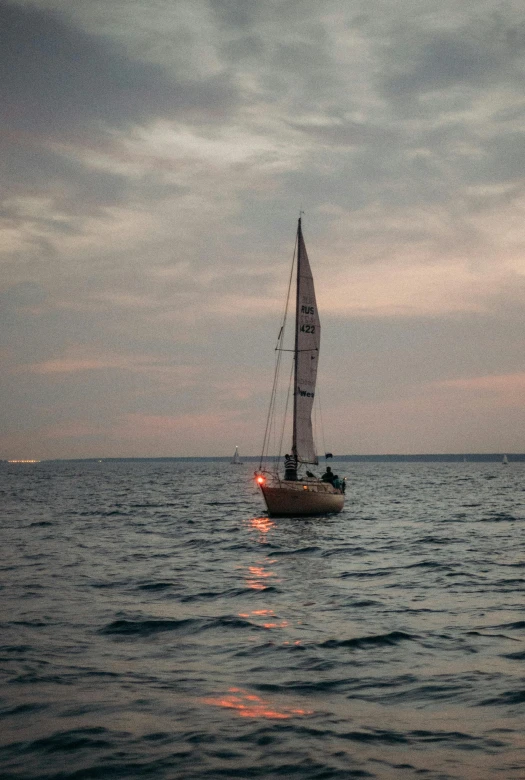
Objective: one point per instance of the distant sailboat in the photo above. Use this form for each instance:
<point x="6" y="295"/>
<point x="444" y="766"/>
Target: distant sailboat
<point x="505" y="461"/>
<point x="297" y="494"/>
<point x="236" y="461"/>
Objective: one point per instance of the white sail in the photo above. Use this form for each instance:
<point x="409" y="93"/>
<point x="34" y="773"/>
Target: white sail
<point x="307" y="341"/>
<point x="236" y="459"/>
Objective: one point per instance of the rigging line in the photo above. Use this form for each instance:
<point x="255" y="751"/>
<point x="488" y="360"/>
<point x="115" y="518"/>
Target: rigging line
<point x="290" y="380"/>
<point x="267" y="432"/>
<point x="274" y="400"/>
<point x="280" y="340"/>
<point x="268" y="429"/>
<point x="286" y="305"/>
<point x="318" y="394"/>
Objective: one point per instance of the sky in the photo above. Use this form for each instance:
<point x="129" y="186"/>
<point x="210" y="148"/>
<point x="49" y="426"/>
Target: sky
<point x="154" y="158"/>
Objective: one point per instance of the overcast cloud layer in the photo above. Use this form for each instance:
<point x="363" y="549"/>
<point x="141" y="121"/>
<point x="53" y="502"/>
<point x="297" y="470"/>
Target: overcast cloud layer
<point x="154" y="157"/>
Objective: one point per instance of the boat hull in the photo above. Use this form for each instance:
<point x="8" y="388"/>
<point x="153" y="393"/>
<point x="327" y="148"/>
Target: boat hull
<point x="302" y="499"/>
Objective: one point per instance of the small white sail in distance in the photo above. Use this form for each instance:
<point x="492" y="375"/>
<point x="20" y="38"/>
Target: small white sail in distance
<point x="236" y="461"/>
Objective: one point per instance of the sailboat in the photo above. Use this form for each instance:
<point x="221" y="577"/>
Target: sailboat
<point x="236" y="461"/>
<point x="505" y="461"/>
<point x="295" y="494"/>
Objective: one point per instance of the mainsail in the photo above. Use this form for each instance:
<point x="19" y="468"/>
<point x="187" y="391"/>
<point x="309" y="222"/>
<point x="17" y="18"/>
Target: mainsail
<point x="307" y="341"/>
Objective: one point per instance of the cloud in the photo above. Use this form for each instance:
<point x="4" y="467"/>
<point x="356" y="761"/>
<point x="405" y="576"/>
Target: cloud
<point x="154" y="157"/>
<point x="479" y="52"/>
<point x="62" y="82"/>
<point x="67" y="97"/>
<point x="503" y="391"/>
<point x="82" y="359"/>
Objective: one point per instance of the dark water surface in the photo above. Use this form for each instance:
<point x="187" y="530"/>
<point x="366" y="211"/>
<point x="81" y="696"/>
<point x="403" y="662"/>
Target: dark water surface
<point x="154" y="623"/>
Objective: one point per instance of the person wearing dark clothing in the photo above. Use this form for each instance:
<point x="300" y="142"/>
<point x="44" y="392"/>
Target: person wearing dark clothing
<point x="328" y="476"/>
<point x="290" y="467"/>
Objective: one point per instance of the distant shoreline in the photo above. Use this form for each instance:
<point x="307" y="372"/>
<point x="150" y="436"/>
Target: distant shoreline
<point x="423" y="458"/>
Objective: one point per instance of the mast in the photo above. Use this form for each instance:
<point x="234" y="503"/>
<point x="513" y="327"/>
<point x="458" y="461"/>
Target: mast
<point x="296" y="345"/>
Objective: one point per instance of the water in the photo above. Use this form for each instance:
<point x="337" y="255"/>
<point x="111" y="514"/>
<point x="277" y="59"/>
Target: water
<point x="154" y="623"/>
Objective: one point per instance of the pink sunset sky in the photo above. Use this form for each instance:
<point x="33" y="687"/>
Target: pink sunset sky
<point x="154" y="160"/>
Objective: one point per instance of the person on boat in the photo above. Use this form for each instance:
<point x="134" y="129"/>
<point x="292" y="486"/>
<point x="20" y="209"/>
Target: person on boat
<point x="328" y="476"/>
<point x="290" y="466"/>
<point x="337" y="482"/>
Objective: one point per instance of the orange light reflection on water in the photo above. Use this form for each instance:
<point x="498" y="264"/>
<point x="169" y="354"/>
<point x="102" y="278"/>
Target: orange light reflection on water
<point x="262" y="525"/>
<point x="257" y="576"/>
<point x="248" y="705"/>
<point x="257" y="612"/>
<point x="268" y="613"/>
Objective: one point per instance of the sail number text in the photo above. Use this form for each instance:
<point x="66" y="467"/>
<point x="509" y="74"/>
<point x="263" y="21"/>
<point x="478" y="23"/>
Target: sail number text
<point x="307" y="328"/>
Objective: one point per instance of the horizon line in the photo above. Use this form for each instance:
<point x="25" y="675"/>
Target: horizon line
<point x="349" y="456"/>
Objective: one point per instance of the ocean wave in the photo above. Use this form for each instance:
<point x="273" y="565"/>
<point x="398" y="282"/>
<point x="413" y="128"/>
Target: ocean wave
<point x="156" y="586"/>
<point x="296" y="551"/>
<point x="41" y="524"/>
<point x="229" y="593"/>
<point x="505" y="699"/>
<point x="517" y="624"/>
<point x="376" y="640"/>
<point x="519" y="655"/>
<point x="146" y="627"/>
<point x="149" y="626"/>
<point x="69" y="741"/>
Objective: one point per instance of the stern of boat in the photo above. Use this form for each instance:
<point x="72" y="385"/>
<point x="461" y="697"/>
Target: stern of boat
<point x="301" y="498"/>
